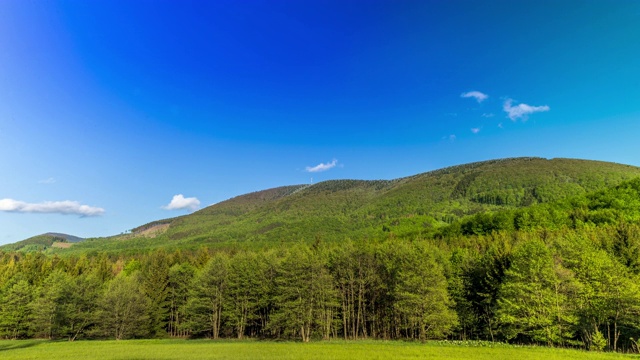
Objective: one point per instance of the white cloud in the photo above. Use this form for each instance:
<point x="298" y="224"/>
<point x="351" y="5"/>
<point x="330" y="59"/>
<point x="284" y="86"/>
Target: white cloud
<point x="47" y="181"/>
<point x="475" y="130"/>
<point x="322" y="166"/>
<point x="521" y="111"/>
<point x="480" y="97"/>
<point x="452" y="137"/>
<point x="488" y="115"/>
<point x="180" y="202"/>
<point x="66" y="207"/>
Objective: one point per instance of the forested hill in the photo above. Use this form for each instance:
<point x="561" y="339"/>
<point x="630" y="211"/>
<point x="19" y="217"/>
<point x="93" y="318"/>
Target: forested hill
<point x="43" y="241"/>
<point x="407" y="207"/>
<point x="559" y="273"/>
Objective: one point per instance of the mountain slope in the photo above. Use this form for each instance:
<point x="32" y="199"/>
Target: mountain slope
<point x="406" y="207"/>
<point x="42" y="242"/>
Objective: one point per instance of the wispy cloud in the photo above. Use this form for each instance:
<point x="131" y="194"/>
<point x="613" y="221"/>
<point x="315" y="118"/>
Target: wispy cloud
<point x="47" y="181"/>
<point x="180" y="202"/>
<point x="66" y="207"/>
<point x="488" y="115"/>
<point x="475" y="130"/>
<point x="322" y="167"/>
<point x="451" y="137"/>
<point x="479" y="96"/>
<point x="521" y="111"/>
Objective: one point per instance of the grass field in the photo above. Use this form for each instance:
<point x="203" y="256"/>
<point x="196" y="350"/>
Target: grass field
<point x="207" y="349"/>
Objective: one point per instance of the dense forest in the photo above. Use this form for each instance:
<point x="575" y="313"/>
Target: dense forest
<point x="570" y="287"/>
<point x="563" y="273"/>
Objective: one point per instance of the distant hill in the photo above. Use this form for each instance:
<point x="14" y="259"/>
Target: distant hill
<point x="407" y="207"/>
<point x="42" y="242"/>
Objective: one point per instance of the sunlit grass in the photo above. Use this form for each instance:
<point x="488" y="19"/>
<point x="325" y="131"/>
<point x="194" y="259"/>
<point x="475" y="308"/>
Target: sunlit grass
<point x="351" y="350"/>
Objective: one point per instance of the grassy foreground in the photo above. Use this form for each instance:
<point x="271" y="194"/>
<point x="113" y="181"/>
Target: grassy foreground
<point x="207" y="349"/>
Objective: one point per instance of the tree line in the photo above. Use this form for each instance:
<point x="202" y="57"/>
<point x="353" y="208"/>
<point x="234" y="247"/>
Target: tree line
<point x="567" y="287"/>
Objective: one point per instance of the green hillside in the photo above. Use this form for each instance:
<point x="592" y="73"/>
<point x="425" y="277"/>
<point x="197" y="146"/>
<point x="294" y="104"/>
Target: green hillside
<point x="408" y="207"/>
<point x="42" y="242"/>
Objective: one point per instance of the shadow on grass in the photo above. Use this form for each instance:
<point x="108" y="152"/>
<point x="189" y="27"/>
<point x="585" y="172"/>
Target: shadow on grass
<point x="18" y="345"/>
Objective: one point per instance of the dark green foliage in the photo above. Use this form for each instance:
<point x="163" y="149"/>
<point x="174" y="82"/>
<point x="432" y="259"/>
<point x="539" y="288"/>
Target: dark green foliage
<point x="155" y="284"/>
<point x="208" y="292"/>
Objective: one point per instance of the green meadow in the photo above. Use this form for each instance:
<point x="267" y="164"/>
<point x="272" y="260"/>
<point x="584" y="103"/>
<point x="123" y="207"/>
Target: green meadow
<point x="207" y="349"/>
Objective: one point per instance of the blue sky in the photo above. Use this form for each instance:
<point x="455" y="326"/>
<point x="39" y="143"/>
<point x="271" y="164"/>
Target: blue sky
<point x="117" y="113"/>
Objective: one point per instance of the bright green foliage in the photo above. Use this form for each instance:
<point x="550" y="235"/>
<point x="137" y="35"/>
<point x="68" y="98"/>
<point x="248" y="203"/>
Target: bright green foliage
<point x="123" y="309"/>
<point x="180" y="277"/>
<point x="358" y="279"/>
<point x="422" y="300"/>
<point x="533" y="300"/>
<point x="244" y="291"/>
<point x="51" y="306"/>
<point x="617" y="205"/>
<point x="305" y="297"/>
<point x="608" y="297"/>
<point x="283" y="350"/>
<point x="598" y="342"/>
<point x="83" y="296"/>
<point x="15" y="311"/>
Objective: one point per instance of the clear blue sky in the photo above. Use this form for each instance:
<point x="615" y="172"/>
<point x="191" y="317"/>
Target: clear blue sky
<point x="108" y="109"/>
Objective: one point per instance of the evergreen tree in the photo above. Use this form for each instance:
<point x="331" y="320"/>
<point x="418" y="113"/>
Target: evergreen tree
<point x="15" y="312"/>
<point x="207" y="297"/>
<point x="180" y="277"/>
<point x="422" y="298"/>
<point x="83" y="298"/>
<point x="51" y="308"/>
<point x="243" y="292"/>
<point x="305" y="296"/>
<point x="155" y="284"/>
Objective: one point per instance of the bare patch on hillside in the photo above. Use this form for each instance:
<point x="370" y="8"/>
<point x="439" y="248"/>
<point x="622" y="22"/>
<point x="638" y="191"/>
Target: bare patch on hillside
<point x="62" y="245"/>
<point x="154" y="230"/>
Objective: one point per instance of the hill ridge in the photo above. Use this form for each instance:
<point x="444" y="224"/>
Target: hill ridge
<point x="411" y="206"/>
